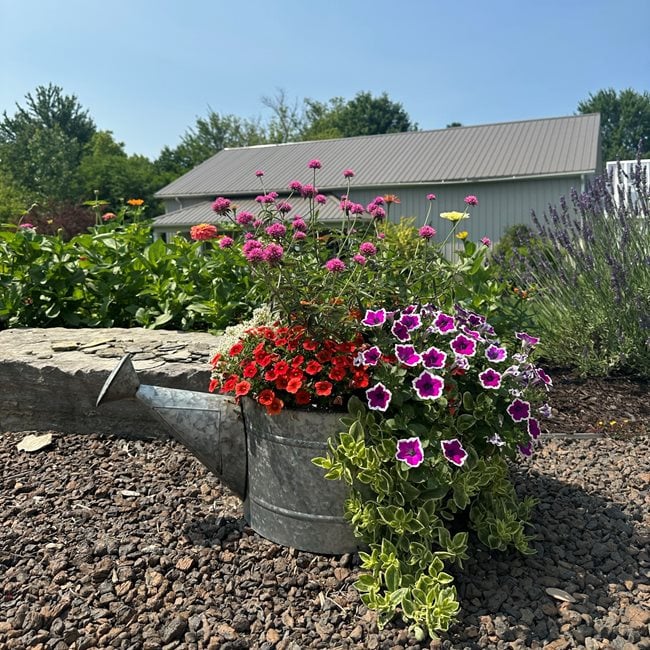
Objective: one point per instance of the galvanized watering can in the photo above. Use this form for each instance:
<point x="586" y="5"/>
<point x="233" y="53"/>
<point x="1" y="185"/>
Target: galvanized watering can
<point x="265" y="460"/>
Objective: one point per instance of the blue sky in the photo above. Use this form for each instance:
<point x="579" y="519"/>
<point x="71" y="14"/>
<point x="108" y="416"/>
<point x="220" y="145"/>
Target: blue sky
<point x="146" y="69"/>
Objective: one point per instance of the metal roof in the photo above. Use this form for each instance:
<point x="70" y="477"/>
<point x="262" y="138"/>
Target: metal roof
<point x="531" y="148"/>
<point x="203" y="213"/>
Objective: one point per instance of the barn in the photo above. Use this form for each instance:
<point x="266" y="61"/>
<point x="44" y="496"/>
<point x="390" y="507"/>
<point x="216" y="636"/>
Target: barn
<point x="512" y="167"/>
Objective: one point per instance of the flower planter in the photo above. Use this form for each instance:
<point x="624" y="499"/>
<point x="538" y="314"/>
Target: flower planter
<point x="265" y="460"/>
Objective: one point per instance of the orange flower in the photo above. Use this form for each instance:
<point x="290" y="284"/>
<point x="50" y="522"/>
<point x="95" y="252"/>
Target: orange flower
<point x="294" y="385"/>
<point x="242" y="388"/>
<point x="275" y="406"/>
<point x="214" y="384"/>
<point x="135" y="201"/>
<point x="391" y="198"/>
<point x="323" y="388"/>
<point x="266" y="397"/>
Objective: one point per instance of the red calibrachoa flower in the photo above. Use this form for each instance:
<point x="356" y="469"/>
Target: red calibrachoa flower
<point x="281" y="366"/>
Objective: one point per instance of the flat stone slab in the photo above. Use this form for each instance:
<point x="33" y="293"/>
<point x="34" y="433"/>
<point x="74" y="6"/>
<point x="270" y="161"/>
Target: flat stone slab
<point x="50" y="378"/>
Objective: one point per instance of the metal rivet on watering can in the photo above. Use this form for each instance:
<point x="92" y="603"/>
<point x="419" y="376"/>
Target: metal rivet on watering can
<point x="210" y="426"/>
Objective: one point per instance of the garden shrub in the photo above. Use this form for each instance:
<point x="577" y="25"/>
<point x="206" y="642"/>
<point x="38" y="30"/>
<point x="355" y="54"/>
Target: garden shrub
<point x="591" y="278"/>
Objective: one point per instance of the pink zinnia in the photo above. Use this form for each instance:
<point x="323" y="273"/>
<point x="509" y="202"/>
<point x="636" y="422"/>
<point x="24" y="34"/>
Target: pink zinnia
<point x="335" y="265"/>
<point x="314" y="164"/>
<point x="471" y="200"/>
<point x="108" y="216"/>
<point x="427" y="232"/>
<point x="203" y="232"/>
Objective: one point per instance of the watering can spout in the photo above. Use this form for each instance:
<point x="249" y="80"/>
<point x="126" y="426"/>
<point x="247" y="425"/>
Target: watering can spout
<point x="209" y="426"/>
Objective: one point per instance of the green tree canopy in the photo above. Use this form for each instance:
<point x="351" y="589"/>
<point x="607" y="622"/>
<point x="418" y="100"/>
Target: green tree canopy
<point x="624" y="122"/>
<point x="362" y="115"/>
<point x="41" y="145"/>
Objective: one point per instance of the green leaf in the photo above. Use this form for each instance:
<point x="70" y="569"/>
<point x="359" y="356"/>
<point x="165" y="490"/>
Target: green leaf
<point x="465" y="421"/>
<point x="468" y="401"/>
<point x="392" y="578"/>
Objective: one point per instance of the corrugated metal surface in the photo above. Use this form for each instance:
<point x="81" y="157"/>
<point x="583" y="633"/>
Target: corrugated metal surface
<point x="202" y="212"/>
<point x="545" y="147"/>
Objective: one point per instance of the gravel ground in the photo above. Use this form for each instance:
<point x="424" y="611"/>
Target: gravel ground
<point x="109" y="543"/>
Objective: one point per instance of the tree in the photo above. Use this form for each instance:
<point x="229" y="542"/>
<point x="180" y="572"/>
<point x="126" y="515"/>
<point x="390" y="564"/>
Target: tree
<point x="41" y="145"/>
<point x="288" y="120"/>
<point x="207" y="137"/>
<point x="624" y="122"/>
<point x="362" y="115"/>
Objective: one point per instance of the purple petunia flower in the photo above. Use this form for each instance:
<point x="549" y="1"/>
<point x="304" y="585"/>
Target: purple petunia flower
<point x="527" y="338"/>
<point x="409" y="450"/>
<point x="534" y="430"/>
<point x="460" y="362"/>
<point x="490" y="379"/>
<point x="410" y="321"/>
<point x="374" y="318"/>
<point x="453" y="451"/>
<point x="464" y="346"/>
<point x="335" y="265"/>
<point x="407" y="355"/>
<point x="400" y="331"/>
<point x="371" y="356"/>
<point x="496" y="440"/>
<point x="545" y="411"/>
<point x="378" y="397"/>
<point x="519" y="410"/>
<point x="434" y="358"/>
<point x="495" y="353"/>
<point x="526" y="450"/>
<point x="428" y="386"/>
<point x="546" y="380"/>
<point x="444" y="323"/>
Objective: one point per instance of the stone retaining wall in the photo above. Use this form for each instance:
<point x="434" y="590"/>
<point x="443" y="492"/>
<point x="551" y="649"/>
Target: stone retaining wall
<point x="50" y="378"/>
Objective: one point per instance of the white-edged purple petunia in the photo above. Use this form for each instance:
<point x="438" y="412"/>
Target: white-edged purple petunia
<point x="434" y="358"/>
<point x="453" y="451"/>
<point x="544" y="378"/>
<point x="495" y="353"/>
<point x="378" y="397"/>
<point x="444" y="323"/>
<point x="534" y="430"/>
<point x="496" y="440"/>
<point x="526" y="450"/>
<point x="400" y="332"/>
<point x="463" y="346"/>
<point x="407" y="355"/>
<point x="428" y="386"/>
<point x="490" y="378"/>
<point x="374" y="318"/>
<point x="519" y="410"/>
<point x="410" y="451"/>
<point x="545" y="411"/>
<point x="410" y="321"/>
<point x="371" y="356"/>
<point x="527" y="339"/>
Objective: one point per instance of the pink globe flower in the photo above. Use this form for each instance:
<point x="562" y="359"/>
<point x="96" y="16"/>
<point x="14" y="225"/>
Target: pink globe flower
<point x="348" y="173"/>
<point x="314" y="164"/>
<point x="221" y="205"/>
<point x="335" y="265"/>
<point x="427" y="232"/>
<point x="471" y="200"/>
<point x="226" y="242"/>
<point x="259" y="173"/>
<point x="431" y="197"/>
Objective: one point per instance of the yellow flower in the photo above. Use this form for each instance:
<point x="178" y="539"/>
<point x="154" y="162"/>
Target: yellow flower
<point x="135" y="201"/>
<point x="454" y="216"/>
<point x="462" y="234"/>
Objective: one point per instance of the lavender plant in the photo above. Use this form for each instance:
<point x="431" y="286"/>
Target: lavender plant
<point x="592" y="277"/>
